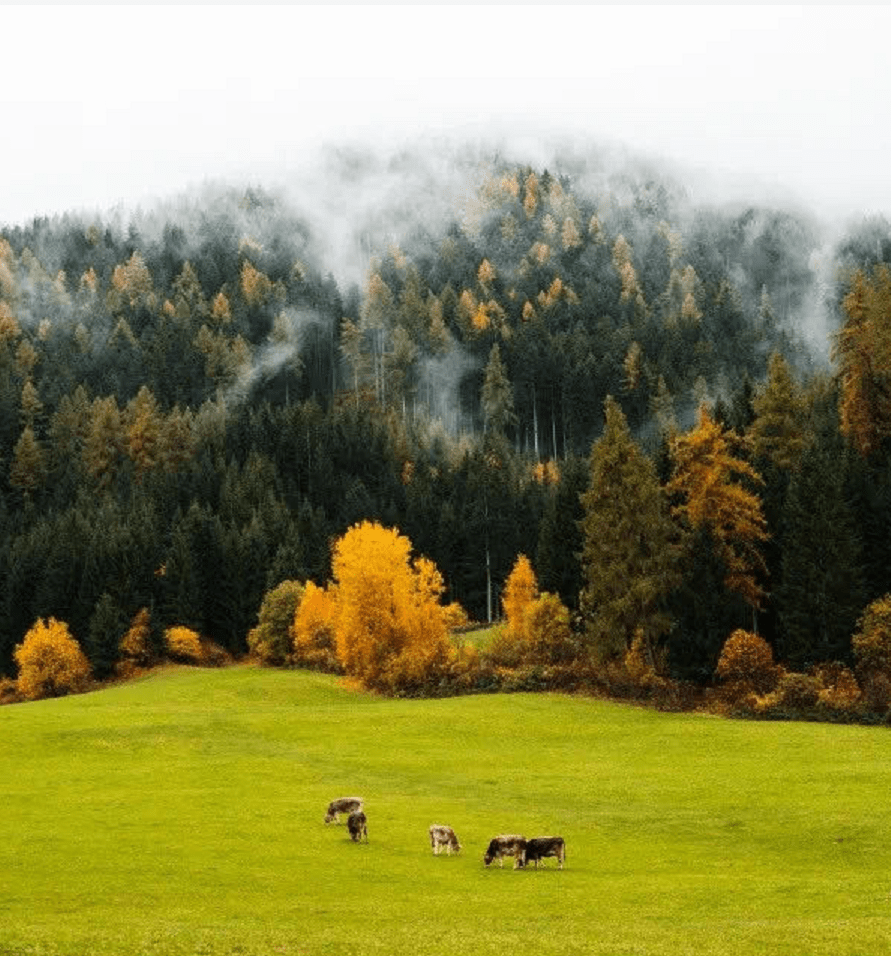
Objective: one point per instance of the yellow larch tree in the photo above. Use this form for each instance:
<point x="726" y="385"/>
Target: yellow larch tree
<point x="520" y="592"/>
<point x="708" y="482"/>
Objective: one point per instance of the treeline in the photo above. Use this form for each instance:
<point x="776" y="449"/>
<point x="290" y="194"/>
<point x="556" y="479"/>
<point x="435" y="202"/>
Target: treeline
<point x="191" y="412"/>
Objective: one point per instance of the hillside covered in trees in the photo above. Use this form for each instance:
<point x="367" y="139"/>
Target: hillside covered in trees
<point x="195" y="402"/>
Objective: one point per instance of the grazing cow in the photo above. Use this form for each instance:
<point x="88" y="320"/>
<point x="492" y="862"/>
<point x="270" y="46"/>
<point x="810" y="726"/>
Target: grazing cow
<point x="358" y="826"/>
<point x="343" y="805"/>
<point x="508" y="844"/>
<point x="442" y="836"/>
<point x="539" y="847"/>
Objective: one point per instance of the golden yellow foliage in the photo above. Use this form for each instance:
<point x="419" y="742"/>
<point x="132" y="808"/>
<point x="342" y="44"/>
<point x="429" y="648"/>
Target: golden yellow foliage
<point x="391" y="628"/>
<point x="183" y="644"/>
<point x="540" y="252"/>
<point x="531" y="197"/>
<point x="135" y="647"/>
<point x="747" y="664"/>
<point x="256" y="286"/>
<point x="862" y="350"/>
<point x="486" y="273"/>
<point x="480" y="318"/>
<point x="314" y="629"/>
<point x="50" y="661"/>
<point x="520" y="591"/>
<point x="546" y="472"/>
<point x="706" y="478"/>
<point x="131" y="285"/>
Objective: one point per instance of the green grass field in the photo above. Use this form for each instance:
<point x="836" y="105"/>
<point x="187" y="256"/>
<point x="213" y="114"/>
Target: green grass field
<point x="183" y="814"/>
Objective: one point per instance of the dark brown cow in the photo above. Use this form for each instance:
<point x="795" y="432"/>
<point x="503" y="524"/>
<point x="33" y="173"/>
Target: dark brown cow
<point x="443" y="836"/>
<point x="508" y="844"/>
<point x="343" y="805"/>
<point x="358" y="826"/>
<point x="539" y="847"/>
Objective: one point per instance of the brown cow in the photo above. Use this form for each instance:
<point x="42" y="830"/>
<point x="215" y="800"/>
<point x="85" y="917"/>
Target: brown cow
<point x="508" y="844"/>
<point x="443" y="836"/>
<point x="343" y="805"/>
<point x="539" y="847"/>
<point x="358" y="826"/>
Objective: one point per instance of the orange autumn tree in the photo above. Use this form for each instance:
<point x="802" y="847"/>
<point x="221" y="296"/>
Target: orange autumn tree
<point x="707" y="481"/>
<point x="520" y="592"/>
<point x="314" y="628"/>
<point x="51" y="662"/>
<point x="392" y="630"/>
<point x="862" y="351"/>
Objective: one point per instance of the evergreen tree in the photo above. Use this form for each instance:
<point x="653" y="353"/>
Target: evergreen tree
<point x="822" y="590"/>
<point x="630" y="547"/>
<point x="107" y="626"/>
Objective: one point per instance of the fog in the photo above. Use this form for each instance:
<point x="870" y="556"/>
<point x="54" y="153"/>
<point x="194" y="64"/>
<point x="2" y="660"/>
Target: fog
<point x="124" y="105"/>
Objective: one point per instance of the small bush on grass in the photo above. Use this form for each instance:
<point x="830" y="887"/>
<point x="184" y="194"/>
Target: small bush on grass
<point x="839" y="691"/>
<point x="50" y="661"/>
<point x="135" y="649"/>
<point x="270" y="641"/>
<point x="746" y="666"/>
<point x="9" y="691"/>
<point x="183" y="645"/>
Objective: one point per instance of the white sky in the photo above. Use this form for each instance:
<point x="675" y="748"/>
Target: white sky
<point x="109" y="105"/>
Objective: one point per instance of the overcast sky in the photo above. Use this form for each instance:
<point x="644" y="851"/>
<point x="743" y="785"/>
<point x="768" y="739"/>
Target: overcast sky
<point x="103" y="106"/>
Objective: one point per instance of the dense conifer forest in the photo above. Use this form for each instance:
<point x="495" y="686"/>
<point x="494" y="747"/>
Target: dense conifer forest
<point x="197" y="400"/>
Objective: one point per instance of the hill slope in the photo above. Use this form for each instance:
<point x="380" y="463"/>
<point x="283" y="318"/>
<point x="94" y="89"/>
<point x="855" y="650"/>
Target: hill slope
<point x="183" y="814"/>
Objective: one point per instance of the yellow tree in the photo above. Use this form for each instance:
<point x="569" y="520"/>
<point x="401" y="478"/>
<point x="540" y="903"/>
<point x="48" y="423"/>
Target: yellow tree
<point x="520" y="592"/>
<point x="28" y="469"/>
<point x="862" y="350"/>
<point x="50" y="661"/>
<point x="142" y="426"/>
<point x="314" y="628"/>
<point x="707" y="481"/>
<point x="391" y="628"/>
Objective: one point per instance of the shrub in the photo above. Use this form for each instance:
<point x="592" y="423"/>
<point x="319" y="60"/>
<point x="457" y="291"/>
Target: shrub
<point x="541" y="636"/>
<point x="798" y="692"/>
<point x="643" y="664"/>
<point x="839" y="690"/>
<point x="872" y="639"/>
<point x="314" y="628"/>
<point x="51" y="663"/>
<point x="135" y="647"/>
<point x="270" y="640"/>
<point x="746" y="665"/>
<point x="9" y="691"/>
<point x="183" y="644"/>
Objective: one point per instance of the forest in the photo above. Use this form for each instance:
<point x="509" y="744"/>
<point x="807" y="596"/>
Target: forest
<point x="679" y="413"/>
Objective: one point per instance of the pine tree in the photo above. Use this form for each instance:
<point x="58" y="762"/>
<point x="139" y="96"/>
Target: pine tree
<point x="630" y="548"/>
<point x="777" y="432"/>
<point x="497" y="395"/>
<point x="821" y="591"/>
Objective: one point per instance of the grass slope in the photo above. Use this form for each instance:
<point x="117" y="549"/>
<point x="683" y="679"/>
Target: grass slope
<point x="182" y="814"/>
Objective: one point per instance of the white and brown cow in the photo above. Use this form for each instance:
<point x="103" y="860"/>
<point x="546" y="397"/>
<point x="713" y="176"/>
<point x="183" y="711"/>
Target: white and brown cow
<point x="343" y="805"/>
<point x="357" y="824"/>
<point x="507" y="844"/>
<point x="443" y="836"/>
<point x="538" y="848"/>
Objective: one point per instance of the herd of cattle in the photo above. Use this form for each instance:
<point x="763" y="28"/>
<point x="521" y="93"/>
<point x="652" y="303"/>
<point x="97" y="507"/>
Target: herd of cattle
<point x="442" y="838"/>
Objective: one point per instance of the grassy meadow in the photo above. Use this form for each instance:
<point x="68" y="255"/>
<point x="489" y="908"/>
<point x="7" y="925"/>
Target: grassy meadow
<point x="182" y="813"/>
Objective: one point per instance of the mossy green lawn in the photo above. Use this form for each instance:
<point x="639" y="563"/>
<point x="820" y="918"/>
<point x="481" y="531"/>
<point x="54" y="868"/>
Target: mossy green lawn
<point x="183" y="814"/>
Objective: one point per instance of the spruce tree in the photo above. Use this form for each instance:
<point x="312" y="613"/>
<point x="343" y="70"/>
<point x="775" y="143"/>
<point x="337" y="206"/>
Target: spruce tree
<point x="630" y="549"/>
<point x="822" y="590"/>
